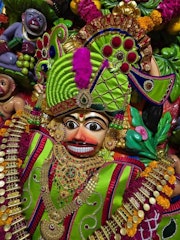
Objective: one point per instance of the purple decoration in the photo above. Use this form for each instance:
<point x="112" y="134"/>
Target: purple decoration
<point x="82" y="67"/>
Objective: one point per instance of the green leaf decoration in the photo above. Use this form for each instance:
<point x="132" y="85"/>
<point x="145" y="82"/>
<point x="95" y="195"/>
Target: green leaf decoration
<point x="168" y="60"/>
<point x="109" y="3"/>
<point x="163" y="128"/>
<point x="146" y="149"/>
<point x="66" y="22"/>
<point x="147" y="7"/>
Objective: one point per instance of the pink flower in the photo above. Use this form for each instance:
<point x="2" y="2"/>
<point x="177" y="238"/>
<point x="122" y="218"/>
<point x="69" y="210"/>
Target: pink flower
<point x="141" y="130"/>
<point x="169" y="9"/>
<point x="88" y="10"/>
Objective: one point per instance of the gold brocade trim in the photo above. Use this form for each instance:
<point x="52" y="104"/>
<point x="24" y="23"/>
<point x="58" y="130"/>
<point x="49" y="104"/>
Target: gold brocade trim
<point x="53" y="228"/>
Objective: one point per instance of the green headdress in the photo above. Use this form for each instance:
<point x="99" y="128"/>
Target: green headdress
<point x="115" y="52"/>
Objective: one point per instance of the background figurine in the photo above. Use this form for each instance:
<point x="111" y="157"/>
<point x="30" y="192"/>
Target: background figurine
<point x="10" y="99"/>
<point x="21" y="36"/>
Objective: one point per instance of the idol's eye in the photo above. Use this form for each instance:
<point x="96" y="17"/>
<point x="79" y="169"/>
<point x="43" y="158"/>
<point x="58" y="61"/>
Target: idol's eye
<point x="2" y="83"/>
<point x="71" y="124"/>
<point x="93" y="126"/>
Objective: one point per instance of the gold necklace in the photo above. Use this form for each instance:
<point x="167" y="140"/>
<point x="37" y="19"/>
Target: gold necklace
<point x="72" y="172"/>
<point x="53" y="229"/>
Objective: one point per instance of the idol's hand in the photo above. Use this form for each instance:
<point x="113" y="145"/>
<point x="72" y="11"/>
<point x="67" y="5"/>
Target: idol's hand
<point x="39" y="88"/>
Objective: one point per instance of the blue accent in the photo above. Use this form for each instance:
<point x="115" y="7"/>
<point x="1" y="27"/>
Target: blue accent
<point x="52" y="51"/>
<point x="44" y="67"/>
<point x="1" y="6"/>
<point x="175" y="199"/>
<point x="97" y="77"/>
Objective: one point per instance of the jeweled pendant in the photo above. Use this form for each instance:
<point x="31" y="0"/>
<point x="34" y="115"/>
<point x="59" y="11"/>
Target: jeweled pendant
<point x="50" y="230"/>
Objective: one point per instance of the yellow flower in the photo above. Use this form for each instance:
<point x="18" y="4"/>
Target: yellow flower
<point x="167" y="190"/>
<point x="170" y="170"/>
<point x="164" y="202"/>
<point x="7" y="122"/>
<point x="17" y="114"/>
<point x="174" y="26"/>
<point x="19" y="163"/>
<point x="132" y="231"/>
<point x="172" y="179"/>
<point x="153" y="164"/>
<point x="146" y="23"/>
<point x="3" y="131"/>
<point x="156" y="17"/>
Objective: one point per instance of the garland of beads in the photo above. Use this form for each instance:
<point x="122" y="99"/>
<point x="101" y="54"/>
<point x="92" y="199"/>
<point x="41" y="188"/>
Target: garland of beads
<point x="153" y="188"/>
<point x="11" y="218"/>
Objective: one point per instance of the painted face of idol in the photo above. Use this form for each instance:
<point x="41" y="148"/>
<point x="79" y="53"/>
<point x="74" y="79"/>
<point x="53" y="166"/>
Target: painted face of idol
<point x="85" y="133"/>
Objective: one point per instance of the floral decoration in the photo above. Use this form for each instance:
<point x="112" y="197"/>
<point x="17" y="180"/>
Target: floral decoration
<point x="142" y="131"/>
<point x="42" y="47"/>
<point x="146" y="148"/>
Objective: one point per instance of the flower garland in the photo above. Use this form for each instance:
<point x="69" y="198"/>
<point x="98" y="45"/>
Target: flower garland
<point x="12" y="136"/>
<point x="165" y="12"/>
<point x="146" y="198"/>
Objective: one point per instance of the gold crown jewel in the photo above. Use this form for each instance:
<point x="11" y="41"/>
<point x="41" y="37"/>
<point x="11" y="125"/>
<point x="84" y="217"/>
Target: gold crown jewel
<point x="84" y="99"/>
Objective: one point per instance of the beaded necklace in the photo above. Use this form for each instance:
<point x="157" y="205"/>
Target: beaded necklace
<point x="152" y="189"/>
<point x="10" y="198"/>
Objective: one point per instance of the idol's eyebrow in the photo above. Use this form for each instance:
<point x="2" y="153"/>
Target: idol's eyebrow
<point x="96" y="117"/>
<point x="88" y="118"/>
<point x="71" y="116"/>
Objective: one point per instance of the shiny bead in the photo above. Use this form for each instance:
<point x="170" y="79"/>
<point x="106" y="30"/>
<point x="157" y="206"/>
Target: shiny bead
<point x="146" y="207"/>
<point x="1" y="175"/>
<point x="4" y="217"/>
<point x="4" y="140"/>
<point x="152" y="200"/>
<point x="129" y="224"/>
<point x="1" y="159"/>
<point x="2" y="200"/>
<point x="2" y="191"/>
<point x="7" y="227"/>
<point x="135" y="219"/>
<point x="1" y="168"/>
<point x="159" y="187"/>
<point x="2" y="153"/>
<point x="3" y="208"/>
<point x="123" y="231"/>
<point x="166" y="177"/>
<point x="117" y="237"/>
<point x="141" y="213"/>
<point x="2" y="183"/>
<point x="156" y="193"/>
<point x="163" y="182"/>
<point x="3" y="146"/>
<point x="8" y="236"/>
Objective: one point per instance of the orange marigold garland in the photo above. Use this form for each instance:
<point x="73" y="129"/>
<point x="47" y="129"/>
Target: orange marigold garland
<point x="145" y="200"/>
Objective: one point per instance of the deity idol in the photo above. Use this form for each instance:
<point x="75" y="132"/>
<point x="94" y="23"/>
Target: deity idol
<point x="95" y="170"/>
